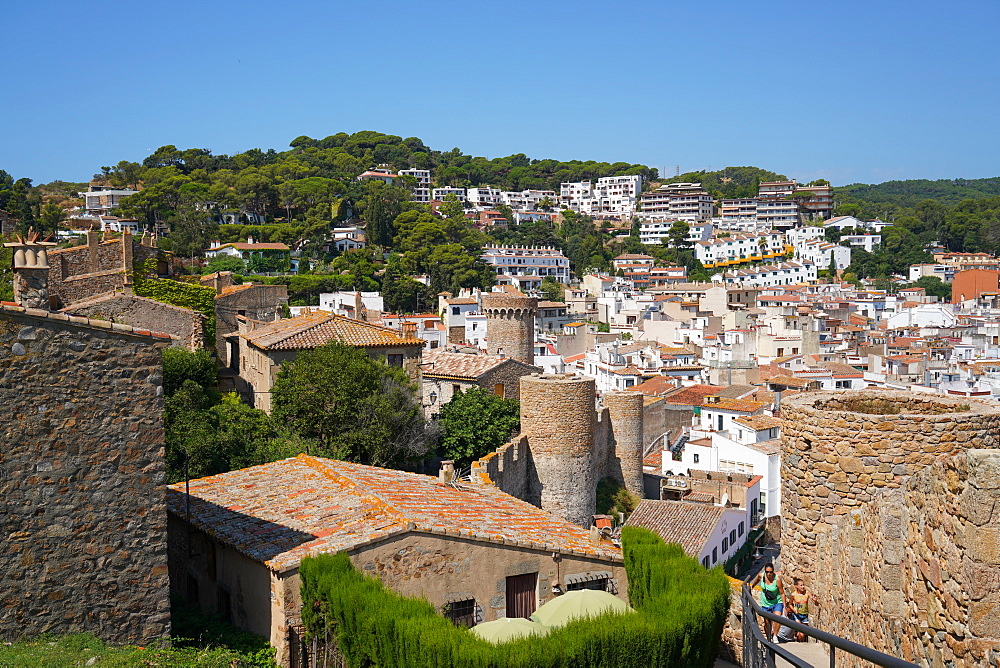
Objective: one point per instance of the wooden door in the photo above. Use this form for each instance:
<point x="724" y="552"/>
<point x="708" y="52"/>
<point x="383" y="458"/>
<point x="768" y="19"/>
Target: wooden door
<point x="521" y="595"/>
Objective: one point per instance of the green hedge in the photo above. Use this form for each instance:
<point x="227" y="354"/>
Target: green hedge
<point x="681" y="610"/>
<point x="187" y="295"/>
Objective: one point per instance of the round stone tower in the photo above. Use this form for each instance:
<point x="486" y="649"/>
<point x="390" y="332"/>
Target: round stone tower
<point x="557" y="416"/>
<point x="510" y="325"/>
<point x="625" y="424"/>
<point x="839" y="449"/>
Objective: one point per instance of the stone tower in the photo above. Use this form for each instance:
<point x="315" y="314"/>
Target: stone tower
<point x="557" y="416"/>
<point x="839" y="450"/>
<point x="625" y="438"/>
<point x="510" y="325"/>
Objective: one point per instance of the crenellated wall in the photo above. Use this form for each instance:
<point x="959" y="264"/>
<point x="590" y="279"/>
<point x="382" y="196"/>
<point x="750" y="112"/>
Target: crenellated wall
<point x="510" y="325"/>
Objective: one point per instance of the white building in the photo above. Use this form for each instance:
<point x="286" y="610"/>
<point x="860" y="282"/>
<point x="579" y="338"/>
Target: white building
<point x="779" y="214"/>
<point x="356" y="305"/>
<point x="610" y="195"/>
<point x="422" y="192"/>
<point x="800" y="235"/>
<point x="739" y="248"/>
<point x="102" y="199"/>
<point x="738" y="211"/>
<point x="865" y="241"/>
<point x="484" y="198"/>
<point x="527" y="262"/>
<point x="441" y="193"/>
<point x="785" y="273"/>
<point x="528" y="200"/>
<point x="823" y="253"/>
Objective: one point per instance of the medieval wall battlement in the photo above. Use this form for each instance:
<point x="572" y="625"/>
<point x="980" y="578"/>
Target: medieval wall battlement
<point x="510" y="325"/>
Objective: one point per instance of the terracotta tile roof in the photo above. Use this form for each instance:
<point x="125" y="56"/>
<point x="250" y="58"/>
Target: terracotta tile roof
<point x="699" y="497"/>
<point x="656" y="386"/>
<point x="789" y="381"/>
<point x="315" y="329"/>
<point x="443" y="364"/>
<point x="689" y="524"/>
<point x="758" y="422"/>
<point x="230" y="289"/>
<point x="738" y="405"/>
<point x="691" y="396"/>
<point x="654" y="459"/>
<point x="461" y="300"/>
<point x="80" y="321"/>
<point x="278" y="513"/>
<point x="772" y="447"/>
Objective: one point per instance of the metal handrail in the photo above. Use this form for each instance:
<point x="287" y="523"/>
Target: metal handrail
<point x="835" y="642"/>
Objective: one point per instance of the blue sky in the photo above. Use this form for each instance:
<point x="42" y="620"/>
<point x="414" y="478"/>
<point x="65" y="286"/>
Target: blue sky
<point x="849" y="91"/>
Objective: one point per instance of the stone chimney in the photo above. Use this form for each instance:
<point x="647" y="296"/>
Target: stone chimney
<point x="31" y="272"/>
<point x="447" y="472"/>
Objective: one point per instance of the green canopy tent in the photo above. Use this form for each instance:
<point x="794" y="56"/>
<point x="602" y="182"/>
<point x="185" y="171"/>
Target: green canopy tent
<point x="576" y="604"/>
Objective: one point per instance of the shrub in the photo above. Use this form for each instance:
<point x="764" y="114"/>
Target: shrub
<point x="681" y="610"/>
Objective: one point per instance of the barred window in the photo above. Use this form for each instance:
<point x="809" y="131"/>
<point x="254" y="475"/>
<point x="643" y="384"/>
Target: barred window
<point x="461" y="613"/>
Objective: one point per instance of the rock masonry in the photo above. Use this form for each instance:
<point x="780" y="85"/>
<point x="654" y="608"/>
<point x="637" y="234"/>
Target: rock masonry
<point x="510" y="325"/>
<point x="83" y="528"/>
<point x="891" y="511"/>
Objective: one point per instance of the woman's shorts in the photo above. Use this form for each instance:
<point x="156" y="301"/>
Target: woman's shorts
<point x="777" y="608"/>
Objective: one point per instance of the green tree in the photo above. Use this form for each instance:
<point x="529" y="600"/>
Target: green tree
<point x="933" y="285"/>
<point x="380" y="206"/>
<point x="552" y="289"/>
<point x="226" y="263"/>
<point x="51" y="217"/>
<point x="475" y="423"/>
<point x="350" y="406"/>
<point x="181" y="364"/>
<point x="677" y="235"/>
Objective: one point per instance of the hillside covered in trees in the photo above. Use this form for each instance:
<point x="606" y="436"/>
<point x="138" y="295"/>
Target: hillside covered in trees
<point x="304" y="191"/>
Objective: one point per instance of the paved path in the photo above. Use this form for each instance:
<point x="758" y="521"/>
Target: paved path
<point x="813" y="652"/>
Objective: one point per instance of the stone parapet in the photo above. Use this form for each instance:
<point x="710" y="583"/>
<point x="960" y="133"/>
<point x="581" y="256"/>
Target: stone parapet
<point x="840" y="449"/>
<point x="84" y="545"/>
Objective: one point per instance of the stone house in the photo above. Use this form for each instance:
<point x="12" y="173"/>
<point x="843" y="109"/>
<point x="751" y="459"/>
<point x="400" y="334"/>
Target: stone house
<point x="84" y="545"/>
<point x="261" y="303"/>
<point x="472" y="551"/>
<point x="264" y="347"/>
<point x="445" y="373"/>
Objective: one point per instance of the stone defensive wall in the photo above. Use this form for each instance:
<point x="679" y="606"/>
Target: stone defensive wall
<point x="566" y="446"/>
<point x="84" y="541"/>
<point x="916" y="571"/>
<point x="509" y="468"/>
<point x="840" y="449"/>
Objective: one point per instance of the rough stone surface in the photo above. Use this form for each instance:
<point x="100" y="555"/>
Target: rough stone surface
<point x="838" y="452"/>
<point x="186" y="325"/>
<point x="510" y="324"/>
<point x="83" y="528"/>
<point x="925" y="587"/>
<point x="566" y="446"/>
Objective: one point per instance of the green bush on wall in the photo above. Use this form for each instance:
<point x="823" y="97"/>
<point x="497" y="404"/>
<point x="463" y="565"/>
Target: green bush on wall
<point x="187" y="295"/>
<point x="681" y="611"/>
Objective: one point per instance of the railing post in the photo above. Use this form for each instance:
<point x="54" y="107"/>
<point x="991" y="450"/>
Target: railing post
<point x="833" y="656"/>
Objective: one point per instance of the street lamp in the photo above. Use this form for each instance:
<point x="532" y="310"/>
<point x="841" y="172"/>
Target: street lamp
<point x="433" y="396"/>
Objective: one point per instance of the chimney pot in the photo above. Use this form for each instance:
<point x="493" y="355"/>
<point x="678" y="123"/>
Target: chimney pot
<point x="447" y="472"/>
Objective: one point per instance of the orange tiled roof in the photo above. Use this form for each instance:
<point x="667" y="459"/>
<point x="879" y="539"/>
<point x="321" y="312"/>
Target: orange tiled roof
<point x="441" y="363"/>
<point x="315" y="329"/>
<point x="691" y="396"/>
<point x="758" y="422"/>
<point x="740" y="405"/>
<point x="689" y="524"/>
<point x="278" y="513"/>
